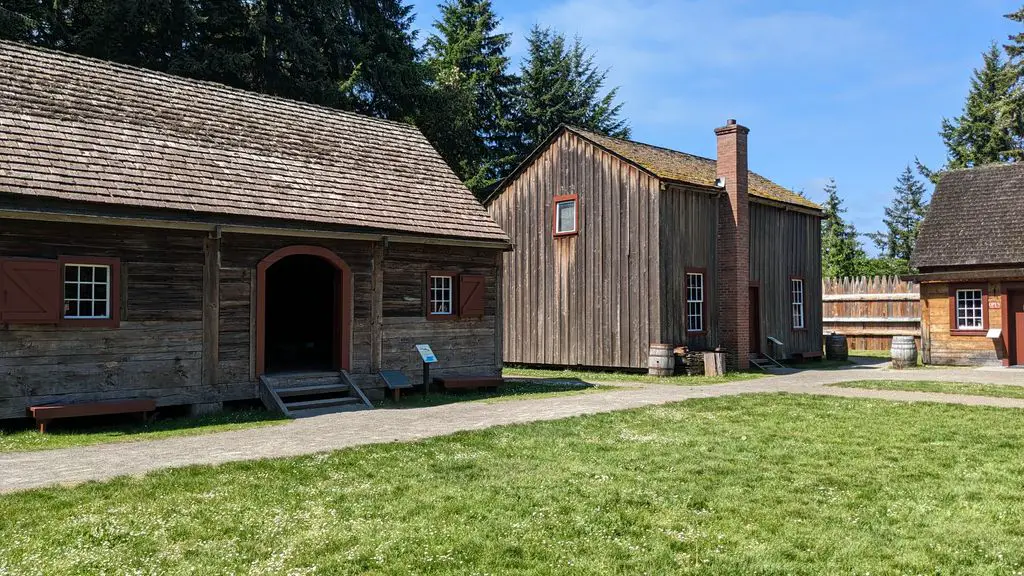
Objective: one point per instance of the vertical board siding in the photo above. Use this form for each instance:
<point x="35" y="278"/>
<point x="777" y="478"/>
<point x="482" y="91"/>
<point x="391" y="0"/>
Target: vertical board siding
<point x="588" y="299"/>
<point x="689" y="229"/>
<point x="784" y="244"/>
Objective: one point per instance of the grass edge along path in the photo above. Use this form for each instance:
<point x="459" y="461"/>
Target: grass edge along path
<point x="767" y="484"/>
<point x="627" y="377"/>
<point x="961" y="388"/>
<point x="64" y="435"/>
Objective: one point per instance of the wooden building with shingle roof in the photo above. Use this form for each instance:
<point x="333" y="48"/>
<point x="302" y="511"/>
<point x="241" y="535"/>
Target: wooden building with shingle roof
<point x="970" y="260"/>
<point x="184" y="241"/>
<point x="620" y="245"/>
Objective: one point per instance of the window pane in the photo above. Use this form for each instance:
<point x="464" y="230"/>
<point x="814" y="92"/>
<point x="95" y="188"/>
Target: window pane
<point x="71" y="308"/>
<point x="100" y="309"/>
<point x="567" y="216"/>
<point x="71" y="273"/>
<point x="70" y="290"/>
<point x="85" y="291"/>
<point x="85" y="273"/>
<point x="85" y="309"/>
<point x="100" y="291"/>
<point x="100" y="274"/>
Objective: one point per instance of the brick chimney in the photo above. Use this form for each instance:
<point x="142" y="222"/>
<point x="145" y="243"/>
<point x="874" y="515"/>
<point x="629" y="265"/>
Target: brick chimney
<point x="733" y="280"/>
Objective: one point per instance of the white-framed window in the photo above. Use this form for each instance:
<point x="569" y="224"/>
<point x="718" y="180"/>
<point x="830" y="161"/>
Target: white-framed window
<point x="441" y="296"/>
<point x="970" y="311"/>
<point x="87" y="292"/>
<point x="565" y="215"/>
<point x="694" y="302"/>
<point x="797" y="290"/>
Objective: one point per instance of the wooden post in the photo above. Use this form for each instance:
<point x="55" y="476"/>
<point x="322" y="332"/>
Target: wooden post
<point x="714" y="363"/>
<point x="377" y="308"/>
<point x="211" y="308"/>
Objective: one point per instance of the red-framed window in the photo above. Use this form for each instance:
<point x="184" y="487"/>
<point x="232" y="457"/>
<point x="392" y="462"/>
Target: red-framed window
<point x="798" y="298"/>
<point x="566" y="215"/>
<point x="451" y="295"/>
<point x="696" y="301"/>
<point x="70" y="291"/>
<point x="968" y="309"/>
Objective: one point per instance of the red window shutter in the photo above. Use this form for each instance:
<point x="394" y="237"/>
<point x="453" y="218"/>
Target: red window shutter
<point x="472" y="296"/>
<point x="30" y="291"/>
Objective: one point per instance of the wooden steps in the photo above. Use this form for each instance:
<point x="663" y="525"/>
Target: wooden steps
<point x="297" y="394"/>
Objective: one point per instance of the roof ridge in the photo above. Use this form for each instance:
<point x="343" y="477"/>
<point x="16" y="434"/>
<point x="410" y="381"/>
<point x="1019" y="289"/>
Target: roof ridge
<point x="665" y="148"/>
<point x="292" y="104"/>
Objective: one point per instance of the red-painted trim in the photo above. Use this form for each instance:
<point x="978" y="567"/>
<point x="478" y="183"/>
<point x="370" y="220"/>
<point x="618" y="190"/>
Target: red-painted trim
<point x="455" y="295"/>
<point x="115" y="292"/>
<point x="953" y="330"/>
<point x="343" y="322"/>
<point x="791" y="327"/>
<point x="1011" y="353"/>
<point x="576" y="215"/>
<point x="704" y="304"/>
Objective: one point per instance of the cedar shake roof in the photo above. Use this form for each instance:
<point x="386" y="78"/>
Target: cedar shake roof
<point x="976" y="217"/>
<point x="80" y="129"/>
<point x="669" y="164"/>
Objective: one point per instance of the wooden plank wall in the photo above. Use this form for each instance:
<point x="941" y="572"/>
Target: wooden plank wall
<point x="870" y="311"/>
<point x="157" y="352"/>
<point x="689" y="229"/>
<point x="592" y="299"/>
<point x="463" y="346"/>
<point x="939" y="346"/>
<point x="786" y="243"/>
<point x="240" y="253"/>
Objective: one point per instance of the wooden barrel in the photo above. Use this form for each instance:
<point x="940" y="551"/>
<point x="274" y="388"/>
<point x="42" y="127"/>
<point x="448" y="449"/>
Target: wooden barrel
<point x="836" y="347"/>
<point x="661" y="361"/>
<point x="903" y="352"/>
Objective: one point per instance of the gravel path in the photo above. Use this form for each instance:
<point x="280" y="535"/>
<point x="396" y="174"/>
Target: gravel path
<point x="25" y="470"/>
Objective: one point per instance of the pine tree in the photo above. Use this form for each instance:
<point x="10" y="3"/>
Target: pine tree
<point x="470" y="120"/>
<point x="224" y="45"/>
<point x="988" y="129"/>
<point x="902" y="218"/>
<point x="841" y="252"/>
<point x="562" y="85"/>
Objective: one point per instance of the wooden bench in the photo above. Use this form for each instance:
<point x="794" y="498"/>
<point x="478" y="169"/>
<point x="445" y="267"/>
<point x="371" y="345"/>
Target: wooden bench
<point x="47" y="413"/>
<point x="470" y="382"/>
<point x="807" y="355"/>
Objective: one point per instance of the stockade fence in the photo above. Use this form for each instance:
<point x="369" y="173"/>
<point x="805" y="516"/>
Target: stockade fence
<point x="870" y="311"/>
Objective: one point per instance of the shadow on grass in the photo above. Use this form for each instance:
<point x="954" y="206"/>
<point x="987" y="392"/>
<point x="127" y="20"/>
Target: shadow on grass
<point x="511" y="390"/>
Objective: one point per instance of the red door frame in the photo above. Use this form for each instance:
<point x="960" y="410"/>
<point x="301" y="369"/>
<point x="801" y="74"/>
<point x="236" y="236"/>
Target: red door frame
<point x="1012" y="293"/>
<point x="342" y="321"/>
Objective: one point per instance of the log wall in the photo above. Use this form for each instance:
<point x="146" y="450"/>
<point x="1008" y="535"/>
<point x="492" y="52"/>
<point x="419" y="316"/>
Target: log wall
<point x="940" y="346"/>
<point x="158" y="351"/>
<point x="591" y="299"/>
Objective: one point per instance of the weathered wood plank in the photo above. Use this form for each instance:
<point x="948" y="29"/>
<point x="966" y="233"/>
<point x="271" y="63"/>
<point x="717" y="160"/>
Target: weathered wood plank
<point x="211" y="310"/>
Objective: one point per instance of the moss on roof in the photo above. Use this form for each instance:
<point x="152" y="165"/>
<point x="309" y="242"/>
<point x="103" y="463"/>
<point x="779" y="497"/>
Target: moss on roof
<point x="681" y="167"/>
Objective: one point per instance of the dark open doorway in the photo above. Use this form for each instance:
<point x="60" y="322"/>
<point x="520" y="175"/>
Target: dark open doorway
<point x="302" y="314"/>
<point x="755" y="320"/>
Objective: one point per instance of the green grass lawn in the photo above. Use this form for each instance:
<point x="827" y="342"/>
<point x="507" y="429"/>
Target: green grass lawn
<point x="766" y="484"/>
<point x="997" y="390"/>
<point x="511" y="390"/>
<point x="599" y="376"/>
<point x="62" y="435"/>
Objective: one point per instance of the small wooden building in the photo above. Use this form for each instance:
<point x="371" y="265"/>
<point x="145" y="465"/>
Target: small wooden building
<point x="970" y="261"/>
<point x="175" y="240"/>
<point x="621" y="244"/>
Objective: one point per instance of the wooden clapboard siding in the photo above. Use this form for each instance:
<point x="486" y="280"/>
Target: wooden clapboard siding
<point x="689" y="229"/>
<point x="591" y="299"/>
<point x="940" y="345"/>
<point x="784" y="244"/>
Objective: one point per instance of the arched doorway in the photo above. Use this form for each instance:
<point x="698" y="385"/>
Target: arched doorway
<point x="304" y="311"/>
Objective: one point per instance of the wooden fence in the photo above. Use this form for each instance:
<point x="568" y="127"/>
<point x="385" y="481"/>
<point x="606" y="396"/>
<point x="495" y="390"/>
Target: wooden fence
<point x="870" y="311"/>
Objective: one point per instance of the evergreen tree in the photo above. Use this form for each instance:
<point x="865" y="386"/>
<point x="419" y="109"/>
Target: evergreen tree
<point x="562" y="85"/>
<point x="902" y="218"/>
<point x="224" y="45"/>
<point x="841" y="252"/>
<point x="988" y="129"/>
<point x="470" y="120"/>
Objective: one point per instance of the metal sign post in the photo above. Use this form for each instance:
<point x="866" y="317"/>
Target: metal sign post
<point x="428" y="358"/>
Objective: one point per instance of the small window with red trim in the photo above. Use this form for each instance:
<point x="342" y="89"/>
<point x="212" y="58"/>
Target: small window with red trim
<point x="566" y="215"/>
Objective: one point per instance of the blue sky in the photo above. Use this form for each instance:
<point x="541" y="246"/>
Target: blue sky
<point x="850" y="90"/>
